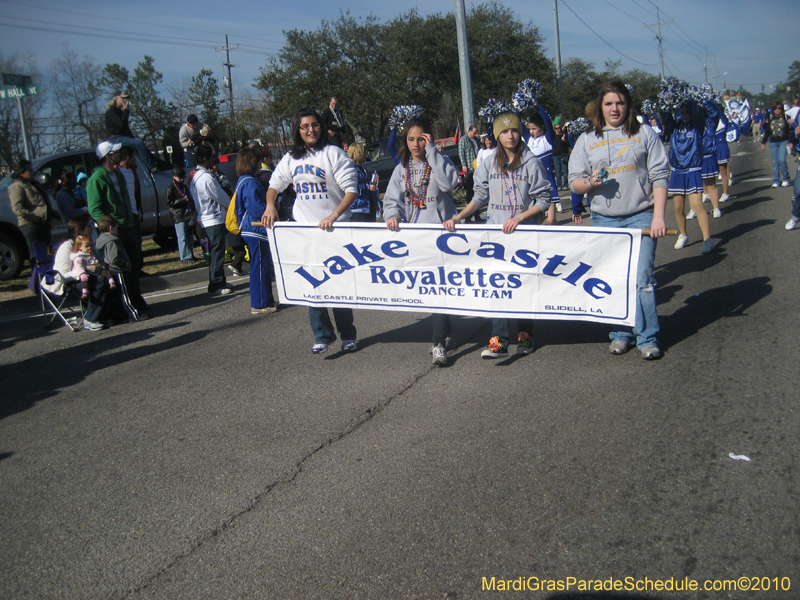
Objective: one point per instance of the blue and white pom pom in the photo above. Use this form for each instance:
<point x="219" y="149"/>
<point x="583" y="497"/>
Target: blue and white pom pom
<point x="630" y="88"/>
<point x="526" y="95"/>
<point x="673" y="93"/>
<point x="402" y="114"/>
<point x="649" y="107"/>
<point x="578" y="126"/>
<point x="489" y="112"/>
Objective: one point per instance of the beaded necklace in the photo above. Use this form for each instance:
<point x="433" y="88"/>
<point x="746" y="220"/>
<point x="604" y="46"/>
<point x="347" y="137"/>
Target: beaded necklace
<point x="415" y="200"/>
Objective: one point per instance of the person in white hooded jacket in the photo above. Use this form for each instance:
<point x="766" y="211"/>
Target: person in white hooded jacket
<point x="326" y="184"/>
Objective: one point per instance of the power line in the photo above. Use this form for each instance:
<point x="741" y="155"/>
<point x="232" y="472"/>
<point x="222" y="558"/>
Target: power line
<point x="604" y="41"/>
<point x="117" y="20"/>
<point x="104" y="36"/>
<point x="623" y="12"/>
<point x="643" y="8"/>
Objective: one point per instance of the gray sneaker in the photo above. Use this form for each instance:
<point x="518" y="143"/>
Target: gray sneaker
<point x="439" y="355"/>
<point x="349" y="346"/>
<point x="650" y="352"/>
<point x="619" y="347"/>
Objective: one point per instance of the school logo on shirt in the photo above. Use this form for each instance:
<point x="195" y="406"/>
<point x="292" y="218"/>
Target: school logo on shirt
<point x="309" y="182"/>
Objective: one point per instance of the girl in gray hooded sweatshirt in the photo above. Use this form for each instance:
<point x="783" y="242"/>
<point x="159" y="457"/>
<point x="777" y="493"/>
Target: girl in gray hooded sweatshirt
<point x="631" y="193"/>
<point x="514" y="185"/>
<point x="421" y="191"/>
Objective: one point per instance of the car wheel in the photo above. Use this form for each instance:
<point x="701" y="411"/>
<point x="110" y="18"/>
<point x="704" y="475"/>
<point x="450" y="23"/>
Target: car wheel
<point x="10" y="257"/>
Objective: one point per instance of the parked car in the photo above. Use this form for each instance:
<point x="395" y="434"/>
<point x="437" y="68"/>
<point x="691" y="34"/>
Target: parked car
<point x="156" y="218"/>
<point x="378" y="159"/>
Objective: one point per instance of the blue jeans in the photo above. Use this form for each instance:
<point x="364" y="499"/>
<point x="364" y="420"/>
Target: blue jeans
<point x="441" y="328"/>
<point x="646" y="327"/>
<point x="561" y="169"/>
<point x="216" y="257"/>
<point x="184" y="231"/>
<point x="779" y="168"/>
<point x="323" y="328"/>
<point x="260" y="273"/>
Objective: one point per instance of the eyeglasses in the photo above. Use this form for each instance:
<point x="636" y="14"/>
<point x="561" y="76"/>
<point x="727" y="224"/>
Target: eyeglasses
<point x="307" y="126"/>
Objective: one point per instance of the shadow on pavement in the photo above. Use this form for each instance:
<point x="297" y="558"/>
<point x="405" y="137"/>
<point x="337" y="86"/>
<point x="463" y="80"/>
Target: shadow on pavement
<point x="41" y="377"/>
<point x="707" y="307"/>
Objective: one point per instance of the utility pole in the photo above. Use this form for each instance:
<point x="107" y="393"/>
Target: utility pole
<point x="705" y="63"/>
<point x="559" y="82"/>
<point x="659" y="38"/>
<point x="463" y="65"/>
<point x="229" y="85"/>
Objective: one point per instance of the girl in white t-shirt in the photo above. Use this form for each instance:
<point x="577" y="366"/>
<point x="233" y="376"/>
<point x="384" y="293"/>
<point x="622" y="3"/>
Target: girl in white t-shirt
<point x="326" y="184"/>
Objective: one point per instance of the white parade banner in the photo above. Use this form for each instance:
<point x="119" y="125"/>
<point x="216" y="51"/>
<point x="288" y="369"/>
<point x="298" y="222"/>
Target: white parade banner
<point x="537" y="272"/>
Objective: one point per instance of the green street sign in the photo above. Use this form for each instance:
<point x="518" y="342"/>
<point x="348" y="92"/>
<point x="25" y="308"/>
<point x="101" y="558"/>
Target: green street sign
<point x="11" y="80"/>
<point x="8" y="93"/>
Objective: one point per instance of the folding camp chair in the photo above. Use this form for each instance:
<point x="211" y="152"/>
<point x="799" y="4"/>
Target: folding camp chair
<point x="53" y="304"/>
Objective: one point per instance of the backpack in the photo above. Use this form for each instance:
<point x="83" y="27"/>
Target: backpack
<point x="231" y="223"/>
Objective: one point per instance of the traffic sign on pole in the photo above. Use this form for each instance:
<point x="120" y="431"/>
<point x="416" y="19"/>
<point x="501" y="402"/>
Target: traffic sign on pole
<point x="9" y="79"/>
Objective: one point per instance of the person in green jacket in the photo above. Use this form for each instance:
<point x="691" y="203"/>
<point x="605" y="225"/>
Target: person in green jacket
<point x="107" y="195"/>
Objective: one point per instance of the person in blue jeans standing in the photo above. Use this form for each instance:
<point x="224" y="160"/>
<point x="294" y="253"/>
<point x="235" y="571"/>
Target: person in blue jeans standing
<point x="632" y="195"/>
<point x="776" y="132"/>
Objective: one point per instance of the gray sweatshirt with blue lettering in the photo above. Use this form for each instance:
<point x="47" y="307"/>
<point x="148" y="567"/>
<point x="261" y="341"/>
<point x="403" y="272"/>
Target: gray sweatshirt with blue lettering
<point x="439" y="205"/>
<point x="636" y="165"/>
<point x="509" y="194"/>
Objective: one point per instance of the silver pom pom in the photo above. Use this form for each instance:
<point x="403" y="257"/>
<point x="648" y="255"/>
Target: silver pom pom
<point x="489" y="112"/>
<point x="578" y="126"/>
<point x="527" y="93"/>
<point x="649" y="107"/>
<point x="402" y="114"/>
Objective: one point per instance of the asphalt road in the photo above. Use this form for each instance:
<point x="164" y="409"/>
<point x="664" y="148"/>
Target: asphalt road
<point x="206" y="453"/>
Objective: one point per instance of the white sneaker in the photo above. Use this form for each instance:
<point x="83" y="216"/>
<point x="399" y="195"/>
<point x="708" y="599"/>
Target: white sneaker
<point x="691" y="215"/>
<point x="223" y="291"/>
<point x="706" y="198"/>
<point x="439" y="355"/>
<point x="681" y="242"/>
<point x="724" y="198"/>
<point x="790" y="224"/>
<point x="786" y="184"/>
<point x="559" y="208"/>
<point x="774" y="185"/>
<point x="716" y="213"/>
<point x="730" y="181"/>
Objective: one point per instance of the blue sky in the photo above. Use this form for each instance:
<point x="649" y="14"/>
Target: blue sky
<point x="750" y="47"/>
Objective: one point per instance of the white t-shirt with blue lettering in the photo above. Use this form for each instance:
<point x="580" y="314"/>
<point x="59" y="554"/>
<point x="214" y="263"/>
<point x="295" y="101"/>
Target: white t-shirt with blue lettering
<point x="321" y="179"/>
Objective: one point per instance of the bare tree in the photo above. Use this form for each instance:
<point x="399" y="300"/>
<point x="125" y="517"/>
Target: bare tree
<point x="73" y="81"/>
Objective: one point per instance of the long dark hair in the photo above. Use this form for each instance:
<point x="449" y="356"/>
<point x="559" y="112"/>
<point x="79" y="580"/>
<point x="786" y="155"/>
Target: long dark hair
<point x="299" y="148"/>
<point x="630" y="126"/>
<point x="66" y="181"/>
<point x="75" y="226"/>
<point x="422" y="123"/>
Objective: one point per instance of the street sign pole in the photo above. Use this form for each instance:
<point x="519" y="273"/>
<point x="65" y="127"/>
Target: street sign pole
<point x="21" y="86"/>
<point x="25" y="140"/>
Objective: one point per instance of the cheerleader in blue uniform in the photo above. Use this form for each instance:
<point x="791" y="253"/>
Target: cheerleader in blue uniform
<point x="686" y="162"/>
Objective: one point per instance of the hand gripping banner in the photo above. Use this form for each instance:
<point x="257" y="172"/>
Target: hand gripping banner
<point x="538" y="272"/>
